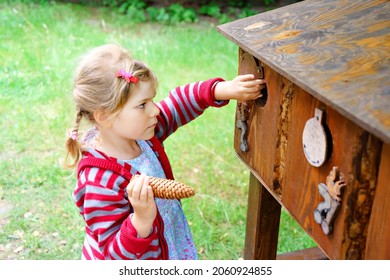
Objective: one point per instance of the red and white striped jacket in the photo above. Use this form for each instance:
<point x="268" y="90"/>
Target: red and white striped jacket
<point x="100" y="193"/>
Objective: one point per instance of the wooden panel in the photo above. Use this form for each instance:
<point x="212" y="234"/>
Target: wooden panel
<point x="276" y="159"/>
<point x="305" y="254"/>
<point x="378" y="239"/>
<point x="318" y="54"/>
<point x="356" y="153"/>
<point x="265" y="125"/>
<point x="338" y="51"/>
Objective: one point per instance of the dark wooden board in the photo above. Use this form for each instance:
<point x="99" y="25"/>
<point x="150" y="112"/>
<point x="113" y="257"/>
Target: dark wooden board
<point x="304" y="254"/>
<point x="338" y="51"/>
<point x="378" y="237"/>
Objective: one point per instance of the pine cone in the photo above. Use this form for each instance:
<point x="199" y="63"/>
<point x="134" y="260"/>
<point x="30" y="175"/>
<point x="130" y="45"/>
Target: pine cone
<point x="170" y="189"/>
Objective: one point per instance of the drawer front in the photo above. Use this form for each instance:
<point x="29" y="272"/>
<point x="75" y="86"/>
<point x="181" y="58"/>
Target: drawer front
<point x="275" y="156"/>
<point x="260" y="134"/>
<point x="356" y="153"/>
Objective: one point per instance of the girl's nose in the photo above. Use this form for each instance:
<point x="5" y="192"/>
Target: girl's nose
<point x="156" y="110"/>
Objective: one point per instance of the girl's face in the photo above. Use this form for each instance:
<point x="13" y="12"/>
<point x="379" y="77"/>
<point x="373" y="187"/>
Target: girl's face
<point x="138" y="118"/>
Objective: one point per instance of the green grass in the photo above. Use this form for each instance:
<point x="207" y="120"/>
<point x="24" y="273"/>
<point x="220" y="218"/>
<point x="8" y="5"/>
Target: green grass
<point x="39" y="48"/>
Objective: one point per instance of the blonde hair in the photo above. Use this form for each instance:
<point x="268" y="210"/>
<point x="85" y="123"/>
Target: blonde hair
<point x="97" y="88"/>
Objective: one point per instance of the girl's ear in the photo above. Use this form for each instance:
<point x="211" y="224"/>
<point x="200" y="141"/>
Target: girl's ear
<point x="102" y="118"/>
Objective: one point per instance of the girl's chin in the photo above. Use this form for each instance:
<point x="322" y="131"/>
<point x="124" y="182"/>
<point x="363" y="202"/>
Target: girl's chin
<point x="148" y="135"/>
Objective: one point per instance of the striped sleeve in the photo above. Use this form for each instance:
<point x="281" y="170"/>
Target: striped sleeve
<point x="109" y="231"/>
<point x="184" y="104"/>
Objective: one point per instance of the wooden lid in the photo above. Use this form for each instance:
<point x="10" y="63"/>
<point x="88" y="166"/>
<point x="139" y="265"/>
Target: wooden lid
<point x="336" y="50"/>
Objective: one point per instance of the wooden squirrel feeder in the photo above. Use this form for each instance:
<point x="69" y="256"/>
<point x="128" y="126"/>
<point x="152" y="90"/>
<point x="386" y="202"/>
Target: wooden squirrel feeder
<point x="327" y="109"/>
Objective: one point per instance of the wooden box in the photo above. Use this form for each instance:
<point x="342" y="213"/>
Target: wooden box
<point x="325" y="112"/>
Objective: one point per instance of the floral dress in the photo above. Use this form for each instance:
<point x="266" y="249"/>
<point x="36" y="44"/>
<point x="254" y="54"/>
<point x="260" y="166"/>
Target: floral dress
<point x="176" y="230"/>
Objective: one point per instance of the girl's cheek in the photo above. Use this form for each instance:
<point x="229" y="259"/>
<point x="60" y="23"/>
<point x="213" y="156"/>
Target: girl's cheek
<point x="157" y="110"/>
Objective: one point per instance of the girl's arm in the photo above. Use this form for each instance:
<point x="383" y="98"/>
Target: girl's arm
<point x="184" y="104"/>
<point x="107" y="214"/>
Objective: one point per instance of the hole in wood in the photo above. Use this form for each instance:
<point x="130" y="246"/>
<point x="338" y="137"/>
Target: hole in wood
<point x="261" y="75"/>
<point x="262" y="100"/>
<point x="249" y="64"/>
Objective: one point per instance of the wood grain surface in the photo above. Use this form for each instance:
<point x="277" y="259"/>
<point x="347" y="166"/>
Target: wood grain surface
<point x="336" y="50"/>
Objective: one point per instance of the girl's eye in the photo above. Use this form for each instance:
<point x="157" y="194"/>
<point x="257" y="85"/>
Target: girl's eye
<point x="141" y="106"/>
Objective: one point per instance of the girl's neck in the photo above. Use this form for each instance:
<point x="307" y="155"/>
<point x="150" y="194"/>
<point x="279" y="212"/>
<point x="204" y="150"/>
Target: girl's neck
<point x="123" y="149"/>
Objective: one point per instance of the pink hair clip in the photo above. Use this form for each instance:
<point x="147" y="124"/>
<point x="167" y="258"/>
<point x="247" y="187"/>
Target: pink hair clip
<point x="127" y="76"/>
<point x="74" y="135"/>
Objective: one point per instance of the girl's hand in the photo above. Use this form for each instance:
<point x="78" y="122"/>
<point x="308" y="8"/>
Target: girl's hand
<point x="141" y="198"/>
<point x="243" y="87"/>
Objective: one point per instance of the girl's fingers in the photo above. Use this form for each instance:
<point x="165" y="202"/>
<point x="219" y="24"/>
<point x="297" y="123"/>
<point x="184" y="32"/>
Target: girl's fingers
<point x="137" y="186"/>
<point x="148" y="189"/>
<point x="130" y="190"/>
<point x="141" y="189"/>
<point x="150" y="193"/>
<point x="146" y="181"/>
<point x="255" y="88"/>
<point x="246" y="77"/>
<point x="143" y="196"/>
<point x="144" y="189"/>
<point x="254" y="83"/>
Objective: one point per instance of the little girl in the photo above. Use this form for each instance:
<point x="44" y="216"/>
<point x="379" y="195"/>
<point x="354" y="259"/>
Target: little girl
<point x="115" y="94"/>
